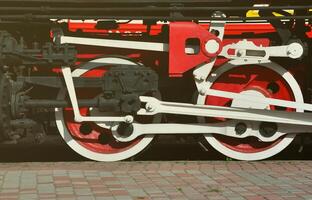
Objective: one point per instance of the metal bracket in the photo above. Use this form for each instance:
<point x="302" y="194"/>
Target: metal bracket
<point x="202" y="71"/>
<point x="246" y="52"/>
<point x="73" y="99"/>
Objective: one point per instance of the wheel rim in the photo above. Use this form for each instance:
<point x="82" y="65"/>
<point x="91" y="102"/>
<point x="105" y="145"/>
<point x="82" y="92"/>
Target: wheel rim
<point x="248" y="78"/>
<point x="88" y="145"/>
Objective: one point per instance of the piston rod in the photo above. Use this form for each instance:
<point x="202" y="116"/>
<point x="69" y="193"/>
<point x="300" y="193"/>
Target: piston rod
<point x="96" y="102"/>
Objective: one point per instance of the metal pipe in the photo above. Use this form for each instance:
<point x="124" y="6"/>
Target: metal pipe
<point x="47" y="103"/>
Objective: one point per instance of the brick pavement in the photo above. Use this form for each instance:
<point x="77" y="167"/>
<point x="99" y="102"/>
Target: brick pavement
<point x="157" y="180"/>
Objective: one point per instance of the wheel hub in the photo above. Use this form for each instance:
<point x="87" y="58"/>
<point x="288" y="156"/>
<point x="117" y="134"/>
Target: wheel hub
<point x="242" y="103"/>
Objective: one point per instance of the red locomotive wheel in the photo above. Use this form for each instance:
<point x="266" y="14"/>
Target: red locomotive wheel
<point x="266" y="80"/>
<point x="90" y="139"/>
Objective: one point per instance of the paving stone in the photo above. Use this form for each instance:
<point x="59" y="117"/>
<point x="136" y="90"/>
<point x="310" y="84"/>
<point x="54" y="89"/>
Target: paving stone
<point x="46" y="188"/>
<point x="85" y="197"/>
<point x="105" y="198"/>
<point x="45" y="179"/>
<point x="28" y="196"/>
<point x="214" y="180"/>
<point x="106" y="174"/>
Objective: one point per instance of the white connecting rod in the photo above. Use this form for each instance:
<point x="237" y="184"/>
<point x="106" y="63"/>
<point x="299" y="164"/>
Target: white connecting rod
<point x="154" y="106"/>
<point x="223" y="128"/>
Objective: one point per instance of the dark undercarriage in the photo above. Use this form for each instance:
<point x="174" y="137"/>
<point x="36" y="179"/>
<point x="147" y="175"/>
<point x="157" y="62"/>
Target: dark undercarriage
<point x="36" y="10"/>
<point x="32" y="57"/>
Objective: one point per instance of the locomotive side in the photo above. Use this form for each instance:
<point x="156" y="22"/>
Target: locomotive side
<point x="112" y="75"/>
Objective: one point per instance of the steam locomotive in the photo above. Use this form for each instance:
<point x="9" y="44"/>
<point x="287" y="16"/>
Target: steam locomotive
<point x="112" y="75"/>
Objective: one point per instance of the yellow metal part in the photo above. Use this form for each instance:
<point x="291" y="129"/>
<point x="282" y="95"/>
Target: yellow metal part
<point x="255" y="13"/>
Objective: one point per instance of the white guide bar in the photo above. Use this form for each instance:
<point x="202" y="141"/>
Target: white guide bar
<point x="125" y="44"/>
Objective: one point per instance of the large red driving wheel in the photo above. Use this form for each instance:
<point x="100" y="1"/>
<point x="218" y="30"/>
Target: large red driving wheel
<point x="267" y="80"/>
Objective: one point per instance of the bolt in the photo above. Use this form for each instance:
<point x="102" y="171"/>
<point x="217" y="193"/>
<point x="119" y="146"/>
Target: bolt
<point x="202" y="91"/>
<point x="218" y="14"/>
<point x="199" y="77"/>
<point x="128" y="119"/>
<point x="240" y="53"/>
<point x="295" y="50"/>
<point x="149" y="107"/>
